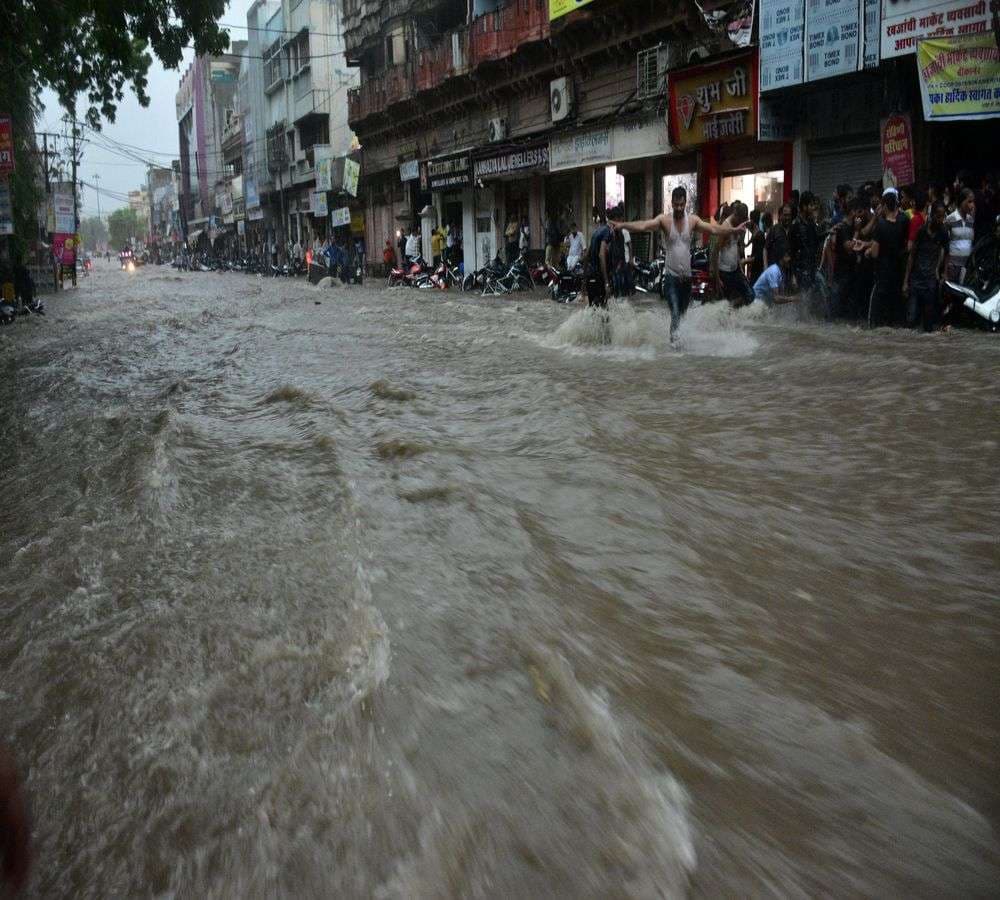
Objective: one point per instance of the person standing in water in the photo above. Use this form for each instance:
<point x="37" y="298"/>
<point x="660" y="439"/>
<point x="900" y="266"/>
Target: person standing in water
<point x="678" y="229"/>
<point x="599" y="266"/>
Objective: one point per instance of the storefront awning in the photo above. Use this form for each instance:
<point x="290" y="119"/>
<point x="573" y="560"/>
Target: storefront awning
<point x="193" y="237"/>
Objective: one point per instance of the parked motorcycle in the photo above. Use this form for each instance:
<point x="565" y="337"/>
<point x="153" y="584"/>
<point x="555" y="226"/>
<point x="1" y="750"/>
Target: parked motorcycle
<point x="567" y="285"/>
<point x="476" y="280"/>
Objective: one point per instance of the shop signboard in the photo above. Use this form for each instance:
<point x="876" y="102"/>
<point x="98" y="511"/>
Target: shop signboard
<point x="959" y="78"/>
<point x="558" y="8"/>
<point x="905" y="22"/>
<point x="585" y="148"/>
<point x="782" y="40"/>
<point x="833" y="37"/>
<point x="410" y="170"/>
<point x="63" y="249"/>
<point x="241" y="227"/>
<point x="256" y="214"/>
<point x="358" y="222"/>
<point x="317" y="203"/>
<point x="340" y="216"/>
<point x="713" y="103"/>
<point x="639" y="138"/>
<point x="6" y="146"/>
<point x="449" y="172"/>
<point x="250" y="194"/>
<point x="897" y="151"/>
<point x="6" y="210"/>
<point x="634" y="139"/>
<point x="352" y="173"/>
<point x="533" y="157"/>
<point x="62" y="206"/>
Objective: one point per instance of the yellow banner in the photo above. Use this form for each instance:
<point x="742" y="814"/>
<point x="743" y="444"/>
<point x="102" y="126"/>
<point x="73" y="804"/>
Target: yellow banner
<point x="559" y="8"/>
<point x="959" y="77"/>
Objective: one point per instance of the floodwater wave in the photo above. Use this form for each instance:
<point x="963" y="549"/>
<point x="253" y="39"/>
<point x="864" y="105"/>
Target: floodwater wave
<point x="422" y="594"/>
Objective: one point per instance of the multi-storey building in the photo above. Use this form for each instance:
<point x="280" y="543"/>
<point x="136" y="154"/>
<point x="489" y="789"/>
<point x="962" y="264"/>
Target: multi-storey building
<point x="206" y="104"/>
<point x="161" y="184"/>
<point x="497" y="111"/>
<point x="294" y="113"/>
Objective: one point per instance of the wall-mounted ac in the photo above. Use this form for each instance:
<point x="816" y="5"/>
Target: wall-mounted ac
<point x="561" y="98"/>
<point x="498" y="129"/>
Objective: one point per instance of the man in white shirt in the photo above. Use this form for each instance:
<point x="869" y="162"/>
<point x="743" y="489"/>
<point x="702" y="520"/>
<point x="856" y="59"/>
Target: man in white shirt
<point x="412" y="249"/>
<point x="960" y="231"/>
<point x="576" y="247"/>
<point x="523" y="240"/>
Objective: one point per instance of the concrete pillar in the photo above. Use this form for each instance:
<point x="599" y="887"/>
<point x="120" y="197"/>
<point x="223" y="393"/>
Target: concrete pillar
<point x="536" y="212"/>
<point x="800" y="167"/>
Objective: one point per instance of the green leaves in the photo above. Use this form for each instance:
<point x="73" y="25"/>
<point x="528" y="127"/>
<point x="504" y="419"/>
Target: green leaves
<point x="124" y="224"/>
<point x="100" y="48"/>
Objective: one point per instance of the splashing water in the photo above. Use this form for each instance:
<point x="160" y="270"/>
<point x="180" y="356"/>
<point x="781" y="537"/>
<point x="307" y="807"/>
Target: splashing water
<point x="707" y="330"/>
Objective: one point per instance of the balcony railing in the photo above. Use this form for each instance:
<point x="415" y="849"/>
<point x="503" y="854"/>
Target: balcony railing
<point x="492" y="37"/>
<point x="500" y="33"/>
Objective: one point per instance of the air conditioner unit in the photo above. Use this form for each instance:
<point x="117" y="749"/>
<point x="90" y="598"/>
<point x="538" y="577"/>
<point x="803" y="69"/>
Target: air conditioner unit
<point x="561" y="99"/>
<point x="498" y="129"/>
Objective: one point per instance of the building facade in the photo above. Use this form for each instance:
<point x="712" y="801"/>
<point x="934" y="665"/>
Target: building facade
<point x="294" y="119"/>
<point x="501" y="111"/>
<point x="206" y="104"/>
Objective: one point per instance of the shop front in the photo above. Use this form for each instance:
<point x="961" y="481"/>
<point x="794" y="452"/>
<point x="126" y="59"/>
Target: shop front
<point x="508" y="186"/>
<point x="615" y="167"/>
<point x="713" y="113"/>
<point x="449" y="179"/>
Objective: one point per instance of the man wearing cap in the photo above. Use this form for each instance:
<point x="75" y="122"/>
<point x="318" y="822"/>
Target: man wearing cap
<point x="887" y="247"/>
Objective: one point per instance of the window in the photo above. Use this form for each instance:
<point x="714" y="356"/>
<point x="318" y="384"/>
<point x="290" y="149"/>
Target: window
<point x="272" y="65"/>
<point x="297" y="50"/>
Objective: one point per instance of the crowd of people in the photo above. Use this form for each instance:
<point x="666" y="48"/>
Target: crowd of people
<point x="873" y="254"/>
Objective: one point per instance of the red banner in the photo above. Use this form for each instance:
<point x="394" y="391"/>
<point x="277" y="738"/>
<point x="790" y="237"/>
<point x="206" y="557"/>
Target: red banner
<point x="63" y="249"/>
<point x="6" y="146"/>
<point x="897" y="151"/>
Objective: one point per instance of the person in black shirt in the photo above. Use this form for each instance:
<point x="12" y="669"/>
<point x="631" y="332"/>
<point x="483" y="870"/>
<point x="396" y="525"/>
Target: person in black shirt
<point x="924" y="266"/>
<point x="776" y="241"/>
<point x="805" y="243"/>
<point x="887" y="247"/>
<point x="599" y="265"/>
<point x="844" y="261"/>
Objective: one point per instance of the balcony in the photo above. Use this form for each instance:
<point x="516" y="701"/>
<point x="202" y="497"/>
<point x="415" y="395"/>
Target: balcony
<point x="445" y="59"/>
<point x="498" y="34"/>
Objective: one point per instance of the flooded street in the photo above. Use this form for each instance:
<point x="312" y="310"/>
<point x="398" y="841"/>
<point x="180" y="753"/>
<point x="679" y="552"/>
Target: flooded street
<point x="411" y="594"/>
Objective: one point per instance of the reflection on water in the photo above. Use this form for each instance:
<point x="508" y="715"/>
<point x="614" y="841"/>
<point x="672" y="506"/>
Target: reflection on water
<point x="408" y="595"/>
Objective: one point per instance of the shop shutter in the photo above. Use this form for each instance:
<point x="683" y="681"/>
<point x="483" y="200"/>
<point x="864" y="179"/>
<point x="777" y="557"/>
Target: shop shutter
<point x="852" y="165"/>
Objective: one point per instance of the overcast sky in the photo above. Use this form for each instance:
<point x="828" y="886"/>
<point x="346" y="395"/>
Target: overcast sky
<point x="153" y="128"/>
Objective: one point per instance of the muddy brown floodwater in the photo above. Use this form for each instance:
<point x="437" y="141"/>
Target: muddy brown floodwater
<point x="421" y="595"/>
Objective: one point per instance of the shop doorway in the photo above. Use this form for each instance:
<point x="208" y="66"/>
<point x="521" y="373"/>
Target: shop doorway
<point x="614" y="188"/>
<point x="758" y="190"/>
<point x="559" y="190"/>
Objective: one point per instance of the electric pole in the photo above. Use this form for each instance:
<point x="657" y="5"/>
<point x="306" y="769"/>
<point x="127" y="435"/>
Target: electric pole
<point x="76" y="208"/>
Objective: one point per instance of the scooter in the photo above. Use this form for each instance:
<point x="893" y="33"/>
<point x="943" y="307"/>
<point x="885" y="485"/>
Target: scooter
<point x="984" y="301"/>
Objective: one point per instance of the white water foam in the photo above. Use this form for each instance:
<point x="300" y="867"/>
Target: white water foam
<point x="622" y="330"/>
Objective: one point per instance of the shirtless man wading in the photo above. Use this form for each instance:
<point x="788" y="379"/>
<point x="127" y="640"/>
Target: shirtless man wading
<point x="678" y="230"/>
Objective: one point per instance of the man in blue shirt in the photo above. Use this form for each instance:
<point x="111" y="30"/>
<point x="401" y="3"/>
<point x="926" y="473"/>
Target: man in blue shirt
<point x="769" y="288"/>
